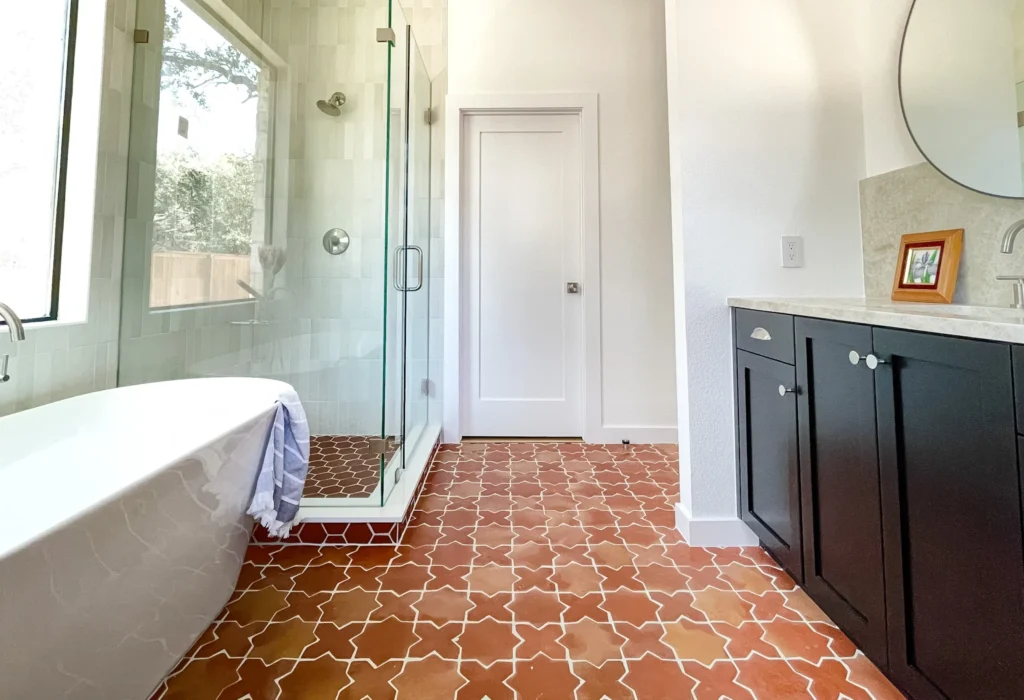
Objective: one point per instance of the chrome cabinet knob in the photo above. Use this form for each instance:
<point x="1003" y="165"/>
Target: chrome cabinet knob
<point x="783" y="390"/>
<point x="873" y="361"/>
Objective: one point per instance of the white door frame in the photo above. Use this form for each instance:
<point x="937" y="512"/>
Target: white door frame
<point x="458" y="108"/>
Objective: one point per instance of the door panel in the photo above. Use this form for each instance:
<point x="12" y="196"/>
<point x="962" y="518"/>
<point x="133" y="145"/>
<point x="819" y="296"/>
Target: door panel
<point x="839" y="479"/>
<point x="769" y="469"/>
<point x="523" y="239"/>
<point x="951" y="491"/>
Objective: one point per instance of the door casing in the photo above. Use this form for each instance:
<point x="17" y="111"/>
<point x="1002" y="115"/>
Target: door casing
<point x="459" y="107"/>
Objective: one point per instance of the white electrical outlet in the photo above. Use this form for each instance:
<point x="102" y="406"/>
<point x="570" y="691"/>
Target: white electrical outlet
<point x="792" y="251"/>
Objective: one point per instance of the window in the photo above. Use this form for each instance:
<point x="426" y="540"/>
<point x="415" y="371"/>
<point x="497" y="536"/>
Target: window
<point x="36" y="59"/>
<point x="209" y="206"/>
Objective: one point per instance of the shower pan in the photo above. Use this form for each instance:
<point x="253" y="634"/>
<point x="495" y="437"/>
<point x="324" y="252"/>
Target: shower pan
<point x="233" y="179"/>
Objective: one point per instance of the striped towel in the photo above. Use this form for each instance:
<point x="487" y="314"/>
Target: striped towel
<point x="285" y="463"/>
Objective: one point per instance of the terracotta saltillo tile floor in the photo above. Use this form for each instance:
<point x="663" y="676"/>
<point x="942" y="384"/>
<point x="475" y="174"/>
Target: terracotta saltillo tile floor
<point x="531" y="571"/>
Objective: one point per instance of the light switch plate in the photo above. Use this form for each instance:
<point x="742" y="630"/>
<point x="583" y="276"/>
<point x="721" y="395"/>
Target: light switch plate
<point x="792" y="251"/>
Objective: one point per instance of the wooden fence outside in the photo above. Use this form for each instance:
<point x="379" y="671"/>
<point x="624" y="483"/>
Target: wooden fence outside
<point x="179" y="279"/>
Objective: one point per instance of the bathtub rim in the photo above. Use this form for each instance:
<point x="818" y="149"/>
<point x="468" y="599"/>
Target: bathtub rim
<point x="247" y="417"/>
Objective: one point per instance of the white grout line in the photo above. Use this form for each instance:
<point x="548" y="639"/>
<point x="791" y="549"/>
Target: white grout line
<point x="601" y="475"/>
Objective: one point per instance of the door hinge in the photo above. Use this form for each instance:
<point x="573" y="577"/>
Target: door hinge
<point x="386" y="35"/>
<point x="428" y="115"/>
<point x="427" y="387"/>
<point x="378" y="446"/>
<point x="141" y="36"/>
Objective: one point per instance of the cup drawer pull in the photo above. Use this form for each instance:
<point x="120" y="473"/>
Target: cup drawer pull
<point x="760" y="334"/>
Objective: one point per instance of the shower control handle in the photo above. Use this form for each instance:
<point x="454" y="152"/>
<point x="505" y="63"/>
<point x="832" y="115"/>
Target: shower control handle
<point x="336" y="241"/>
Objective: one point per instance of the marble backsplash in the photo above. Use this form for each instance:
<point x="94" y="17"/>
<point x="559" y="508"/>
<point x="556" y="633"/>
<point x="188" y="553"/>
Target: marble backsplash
<point x="918" y="199"/>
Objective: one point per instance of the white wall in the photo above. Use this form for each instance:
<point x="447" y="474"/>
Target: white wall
<point x="767" y="140"/>
<point x="614" y="48"/>
<point x="887" y="143"/>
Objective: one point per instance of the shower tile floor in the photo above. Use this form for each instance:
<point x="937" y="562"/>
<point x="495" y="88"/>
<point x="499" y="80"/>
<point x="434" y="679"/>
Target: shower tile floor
<point x="529" y="571"/>
<point x="341" y="466"/>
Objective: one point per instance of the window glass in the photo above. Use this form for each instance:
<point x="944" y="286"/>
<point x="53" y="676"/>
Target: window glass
<point x="207" y="212"/>
<point x="32" y="97"/>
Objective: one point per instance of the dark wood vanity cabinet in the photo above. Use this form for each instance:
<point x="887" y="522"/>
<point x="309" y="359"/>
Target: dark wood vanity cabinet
<point x="951" y="500"/>
<point x="909" y="468"/>
<point x="769" y="470"/>
<point x="842" y="518"/>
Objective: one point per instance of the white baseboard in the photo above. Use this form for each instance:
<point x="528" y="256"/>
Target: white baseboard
<point x="606" y="435"/>
<point x="636" y="434"/>
<point x="713" y="532"/>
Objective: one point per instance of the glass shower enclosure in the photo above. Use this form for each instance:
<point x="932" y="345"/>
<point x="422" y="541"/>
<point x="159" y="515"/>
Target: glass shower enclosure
<point x="278" y="221"/>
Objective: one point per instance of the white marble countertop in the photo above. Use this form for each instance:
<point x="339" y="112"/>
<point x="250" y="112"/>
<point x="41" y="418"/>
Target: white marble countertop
<point x="983" y="322"/>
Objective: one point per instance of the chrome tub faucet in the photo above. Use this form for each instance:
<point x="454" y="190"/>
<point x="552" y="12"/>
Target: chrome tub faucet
<point x="17" y="332"/>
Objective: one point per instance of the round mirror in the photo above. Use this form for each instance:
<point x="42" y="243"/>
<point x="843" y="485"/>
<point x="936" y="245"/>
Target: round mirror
<point x="962" y="89"/>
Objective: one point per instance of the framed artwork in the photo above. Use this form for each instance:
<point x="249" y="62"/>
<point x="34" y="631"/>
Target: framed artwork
<point x="927" y="266"/>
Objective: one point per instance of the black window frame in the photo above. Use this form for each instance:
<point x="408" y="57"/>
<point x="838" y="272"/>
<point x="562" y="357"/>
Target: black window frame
<point x="61" y="174"/>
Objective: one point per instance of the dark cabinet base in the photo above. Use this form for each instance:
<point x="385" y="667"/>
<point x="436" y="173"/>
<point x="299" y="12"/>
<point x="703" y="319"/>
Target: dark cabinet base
<point x="895" y="494"/>
<point x="769" y="470"/>
<point x="842" y="520"/>
<point x="951" y="498"/>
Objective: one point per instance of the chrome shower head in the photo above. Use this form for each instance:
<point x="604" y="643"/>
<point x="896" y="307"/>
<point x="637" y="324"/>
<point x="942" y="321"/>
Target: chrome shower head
<point x="332" y="105"/>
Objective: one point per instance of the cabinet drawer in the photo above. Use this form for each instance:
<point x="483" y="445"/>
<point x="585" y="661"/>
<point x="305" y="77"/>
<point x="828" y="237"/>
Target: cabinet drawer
<point x="769" y="335"/>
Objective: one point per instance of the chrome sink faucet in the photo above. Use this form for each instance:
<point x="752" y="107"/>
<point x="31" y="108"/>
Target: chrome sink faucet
<point x="16" y="331"/>
<point x="1009" y="238"/>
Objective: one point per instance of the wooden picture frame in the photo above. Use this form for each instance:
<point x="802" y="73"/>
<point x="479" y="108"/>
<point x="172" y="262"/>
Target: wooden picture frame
<point x="927" y="266"/>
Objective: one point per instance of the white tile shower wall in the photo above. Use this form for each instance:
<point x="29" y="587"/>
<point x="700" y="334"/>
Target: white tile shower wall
<point x="336" y="179"/>
<point x="171" y="344"/>
<point x="57" y="362"/>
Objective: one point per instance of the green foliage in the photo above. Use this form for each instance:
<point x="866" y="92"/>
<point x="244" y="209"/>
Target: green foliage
<point x="193" y="71"/>
<point x="204" y="208"/>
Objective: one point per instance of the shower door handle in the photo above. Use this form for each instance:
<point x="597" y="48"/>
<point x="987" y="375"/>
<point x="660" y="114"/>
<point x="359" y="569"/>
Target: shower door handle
<point x="395" y="278"/>
<point x="419" y="268"/>
<point x="404" y="260"/>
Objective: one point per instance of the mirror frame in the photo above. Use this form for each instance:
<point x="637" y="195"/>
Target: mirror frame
<point x="910" y="129"/>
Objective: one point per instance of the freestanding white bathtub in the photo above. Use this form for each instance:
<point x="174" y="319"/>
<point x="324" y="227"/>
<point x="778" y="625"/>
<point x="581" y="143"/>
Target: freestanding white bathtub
<point x="122" y="531"/>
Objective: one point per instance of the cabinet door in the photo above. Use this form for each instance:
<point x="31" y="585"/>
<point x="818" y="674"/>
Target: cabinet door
<point x="951" y="499"/>
<point x="769" y="470"/>
<point x="842" y="522"/>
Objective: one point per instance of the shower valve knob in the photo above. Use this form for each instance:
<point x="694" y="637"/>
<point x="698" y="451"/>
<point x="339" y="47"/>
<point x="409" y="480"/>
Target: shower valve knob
<point x="336" y="241"/>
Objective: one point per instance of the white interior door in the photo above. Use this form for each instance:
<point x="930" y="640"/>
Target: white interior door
<point x="522" y="235"/>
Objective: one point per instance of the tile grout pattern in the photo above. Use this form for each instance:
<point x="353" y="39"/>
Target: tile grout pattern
<point x="528" y="571"/>
<point x="341" y="466"/>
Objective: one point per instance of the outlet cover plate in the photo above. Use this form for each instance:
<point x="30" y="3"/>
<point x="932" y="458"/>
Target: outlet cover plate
<point x="792" y="251"/>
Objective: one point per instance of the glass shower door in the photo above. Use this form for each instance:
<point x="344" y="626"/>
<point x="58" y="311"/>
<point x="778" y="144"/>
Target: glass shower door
<point x="418" y="387"/>
<point x="256" y="234"/>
